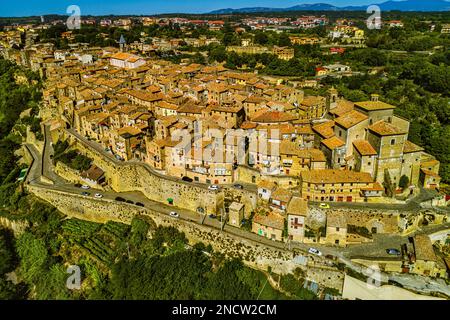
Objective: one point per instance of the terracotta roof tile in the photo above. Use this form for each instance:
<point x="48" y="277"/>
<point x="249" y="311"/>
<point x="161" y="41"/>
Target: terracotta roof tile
<point x="350" y="119"/>
<point x="333" y="143"/>
<point x="424" y="248"/>
<point x="270" y="219"/>
<point x="325" y="130"/>
<point x="274" y="116"/>
<point x="281" y="194"/>
<point x="364" y="148"/>
<point x="342" y="107"/>
<point x="335" y="176"/>
<point x="374" y="105"/>
<point x="266" y="184"/>
<point x="298" y="206"/>
<point x="384" y="128"/>
<point x="410" y="147"/>
<point x="336" y="219"/>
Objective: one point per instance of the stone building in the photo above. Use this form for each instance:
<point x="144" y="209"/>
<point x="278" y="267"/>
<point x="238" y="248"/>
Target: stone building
<point x="283" y="53"/>
<point x="265" y="189"/>
<point x="269" y="225"/>
<point x="296" y="214"/>
<point x="334" y="185"/>
<point x="425" y="260"/>
<point x="312" y="107"/>
<point x="236" y="214"/>
<point x="336" y="232"/>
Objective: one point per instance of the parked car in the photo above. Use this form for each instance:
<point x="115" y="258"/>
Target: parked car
<point x="85" y="187"/>
<point x="324" y="206"/>
<point x="238" y="186"/>
<point x="314" y="251"/>
<point x="86" y="194"/>
<point x="393" y="252"/>
<point x="173" y="214"/>
<point x="187" y="179"/>
<point x="129" y="201"/>
<point x="120" y="199"/>
<point x="212" y="216"/>
<point x="98" y="195"/>
<point x="140" y="204"/>
<point x="214" y="187"/>
<point x="77" y="185"/>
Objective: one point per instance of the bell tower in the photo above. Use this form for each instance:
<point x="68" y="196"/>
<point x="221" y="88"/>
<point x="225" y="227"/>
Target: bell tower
<point x="332" y="98"/>
<point x="122" y="43"/>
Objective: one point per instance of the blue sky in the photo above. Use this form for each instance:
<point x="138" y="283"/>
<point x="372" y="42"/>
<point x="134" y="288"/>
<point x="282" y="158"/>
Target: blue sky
<point x="100" y="7"/>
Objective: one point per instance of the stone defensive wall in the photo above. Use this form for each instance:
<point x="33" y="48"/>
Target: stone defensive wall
<point x="255" y="254"/>
<point x="130" y="176"/>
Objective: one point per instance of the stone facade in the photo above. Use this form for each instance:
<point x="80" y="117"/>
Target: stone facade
<point x="67" y="173"/>
<point x="377" y="221"/>
<point x="124" y="177"/>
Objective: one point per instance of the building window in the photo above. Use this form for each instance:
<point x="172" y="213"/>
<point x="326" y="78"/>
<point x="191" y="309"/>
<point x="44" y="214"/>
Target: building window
<point x="392" y="142"/>
<point x="337" y="228"/>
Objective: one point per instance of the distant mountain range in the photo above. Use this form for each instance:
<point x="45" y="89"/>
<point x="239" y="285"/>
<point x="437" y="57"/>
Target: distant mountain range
<point x="405" y="5"/>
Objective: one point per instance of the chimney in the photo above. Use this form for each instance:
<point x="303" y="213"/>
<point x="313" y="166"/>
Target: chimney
<point x="374" y="97"/>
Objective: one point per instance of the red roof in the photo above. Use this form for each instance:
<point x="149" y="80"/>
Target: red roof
<point x="216" y="22"/>
<point x="340" y="50"/>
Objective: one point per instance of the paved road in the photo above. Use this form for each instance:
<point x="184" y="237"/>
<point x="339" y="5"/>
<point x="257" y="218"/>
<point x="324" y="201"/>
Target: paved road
<point x="47" y="163"/>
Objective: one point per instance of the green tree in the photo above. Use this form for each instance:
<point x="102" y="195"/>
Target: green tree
<point x="404" y="182"/>
<point x="33" y="256"/>
<point x="7" y="252"/>
<point x="261" y="38"/>
<point x="283" y="40"/>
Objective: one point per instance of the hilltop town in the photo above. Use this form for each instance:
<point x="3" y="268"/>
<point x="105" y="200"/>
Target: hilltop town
<point x="254" y="154"/>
